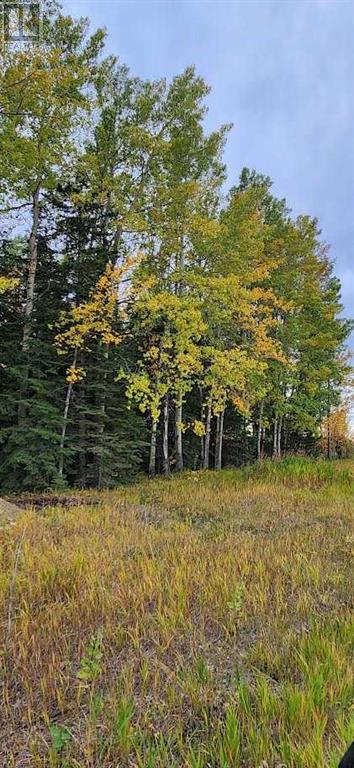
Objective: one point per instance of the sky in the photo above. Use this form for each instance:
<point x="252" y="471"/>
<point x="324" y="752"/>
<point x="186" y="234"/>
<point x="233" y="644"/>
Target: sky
<point x="282" y="71"/>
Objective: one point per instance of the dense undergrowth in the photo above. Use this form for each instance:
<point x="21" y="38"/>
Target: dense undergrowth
<point x="203" y="622"/>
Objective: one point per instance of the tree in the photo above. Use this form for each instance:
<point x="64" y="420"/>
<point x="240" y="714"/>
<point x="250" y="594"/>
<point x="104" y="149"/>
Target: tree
<point x="241" y="314"/>
<point x="43" y="105"/>
<point x="309" y="329"/>
<point x="336" y="433"/>
<point x="209" y="317"/>
<point x="29" y="448"/>
<point x="98" y="318"/>
<point x="183" y="198"/>
<point x="168" y="328"/>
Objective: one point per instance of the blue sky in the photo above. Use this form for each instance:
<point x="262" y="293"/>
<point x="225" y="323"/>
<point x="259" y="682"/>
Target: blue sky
<point x="281" y="70"/>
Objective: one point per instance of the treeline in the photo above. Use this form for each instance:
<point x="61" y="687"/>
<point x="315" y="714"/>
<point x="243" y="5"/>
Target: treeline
<point x="149" y="320"/>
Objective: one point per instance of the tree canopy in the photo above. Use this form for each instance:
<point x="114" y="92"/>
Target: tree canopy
<point x="150" y="320"/>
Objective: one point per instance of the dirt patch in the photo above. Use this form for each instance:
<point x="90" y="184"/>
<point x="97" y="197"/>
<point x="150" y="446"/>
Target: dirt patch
<point x="42" y="502"/>
<point x="8" y="511"/>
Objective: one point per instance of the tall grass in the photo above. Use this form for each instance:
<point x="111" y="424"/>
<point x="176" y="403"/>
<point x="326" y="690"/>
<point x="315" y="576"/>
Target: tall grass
<point x="297" y="470"/>
<point x="204" y="622"/>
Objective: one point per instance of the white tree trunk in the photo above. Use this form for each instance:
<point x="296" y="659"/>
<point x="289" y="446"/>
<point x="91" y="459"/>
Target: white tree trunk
<point x="166" y="463"/>
<point x="152" y="459"/>
<point x="280" y="423"/>
<point x="178" y="435"/>
<point x="69" y="390"/>
<point x="275" y="438"/>
<point x="219" y="439"/>
<point x="260" y="430"/>
<point x="207" y="439"/>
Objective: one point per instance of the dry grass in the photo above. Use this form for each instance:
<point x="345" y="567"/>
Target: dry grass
<point x="200" y="622"/>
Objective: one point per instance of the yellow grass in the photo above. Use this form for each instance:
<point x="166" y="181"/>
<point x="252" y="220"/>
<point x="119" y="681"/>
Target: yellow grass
<point x="203" y="622"/>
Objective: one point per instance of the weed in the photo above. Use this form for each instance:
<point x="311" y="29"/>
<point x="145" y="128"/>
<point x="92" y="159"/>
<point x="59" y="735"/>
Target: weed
<point x="90" y="664"/>
<point x="60" y="738"/>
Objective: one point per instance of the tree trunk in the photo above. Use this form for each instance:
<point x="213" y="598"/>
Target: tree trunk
<point x="82" y="429"/>
<point x="275" y="437"/>
<point x="152" y="459"/>
<point x="178" y="435"/>
<point x="166" y="463"/>
<point x="30" y="287"/>
<point x="207" y="439"/>
<point x="280" y="422"/>
<point x="32" y="268"/>
<point x="69" y="390"/>
<point x="179" y="406"/>
<point x="219" y="439"/>
<point x="63" y="429"/>
<point x="329" y="449"/>
<point x="260" y="429"/>
<point x="102" y="419"/>
<point x="285" y="433"/>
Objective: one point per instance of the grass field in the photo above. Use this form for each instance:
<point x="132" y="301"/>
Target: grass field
<point x="205" y="621"/>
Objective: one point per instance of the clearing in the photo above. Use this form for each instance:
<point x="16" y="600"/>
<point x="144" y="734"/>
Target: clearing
<point x="204" y="621"/>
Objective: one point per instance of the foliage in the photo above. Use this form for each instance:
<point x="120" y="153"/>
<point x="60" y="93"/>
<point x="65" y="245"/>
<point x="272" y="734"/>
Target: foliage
<point x="214" y="322"/>
<point x="336" y="432"/>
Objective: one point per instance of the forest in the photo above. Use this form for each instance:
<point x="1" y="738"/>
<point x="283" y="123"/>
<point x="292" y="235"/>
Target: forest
<point x="155" y="314"/>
